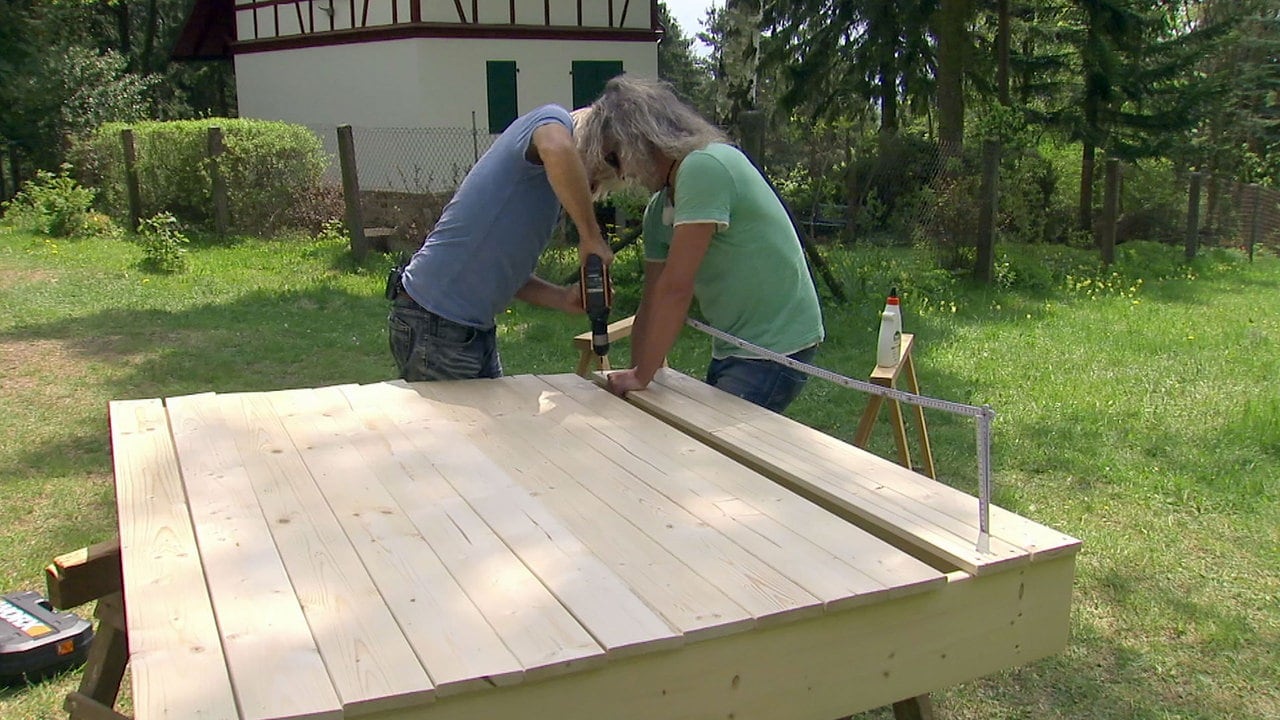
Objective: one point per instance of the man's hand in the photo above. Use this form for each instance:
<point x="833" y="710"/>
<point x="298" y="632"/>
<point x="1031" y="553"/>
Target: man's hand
<point x="624" y="381"/>
<point x="572" y="300"/>
<point x="594" y="246"/>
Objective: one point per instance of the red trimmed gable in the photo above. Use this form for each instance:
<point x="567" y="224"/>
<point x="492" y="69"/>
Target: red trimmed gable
<point x="210" y="30"/>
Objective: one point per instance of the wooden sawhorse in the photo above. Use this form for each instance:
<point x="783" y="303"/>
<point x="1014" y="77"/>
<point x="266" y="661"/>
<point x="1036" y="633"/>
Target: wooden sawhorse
<point x="888" y="377"/>
<point x="73" y="579"/>
<point x="587" y="356"/>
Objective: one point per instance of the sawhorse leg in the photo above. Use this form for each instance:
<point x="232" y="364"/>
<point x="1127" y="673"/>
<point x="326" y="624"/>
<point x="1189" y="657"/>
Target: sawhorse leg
<point x="78" y="577"/>
<point x="919" y="707"/>
<point x="888" y="377"/>
<point x="587" y="358"/>
<point x="105" y="666"/>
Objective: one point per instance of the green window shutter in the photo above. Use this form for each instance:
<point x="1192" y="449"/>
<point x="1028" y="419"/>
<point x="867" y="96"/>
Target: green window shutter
<point x="589" y="77"/>
<point x="503" y="108"/>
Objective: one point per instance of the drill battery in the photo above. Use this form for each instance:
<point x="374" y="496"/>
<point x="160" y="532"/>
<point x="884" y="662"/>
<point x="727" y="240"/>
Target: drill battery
<point x="36" y="641"/>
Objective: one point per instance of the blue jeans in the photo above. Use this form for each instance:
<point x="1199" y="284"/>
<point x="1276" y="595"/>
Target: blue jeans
<point x="426" y="346"/>
<point x="763" y="382"/>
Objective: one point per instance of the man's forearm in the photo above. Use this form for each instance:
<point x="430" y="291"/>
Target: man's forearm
<point x="659" y="330"/>
<point x="537" y="291"/>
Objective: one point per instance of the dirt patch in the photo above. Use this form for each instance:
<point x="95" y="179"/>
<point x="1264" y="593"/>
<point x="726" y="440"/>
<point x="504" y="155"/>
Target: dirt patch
<point x="26" y="364"/>
<point x="11" y="278"/>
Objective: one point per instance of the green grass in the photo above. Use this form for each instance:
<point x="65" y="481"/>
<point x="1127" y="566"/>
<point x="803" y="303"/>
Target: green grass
<point x="1138" y="411"/>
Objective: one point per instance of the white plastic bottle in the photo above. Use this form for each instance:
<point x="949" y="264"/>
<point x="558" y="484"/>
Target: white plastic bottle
<point x="889" y="346"/>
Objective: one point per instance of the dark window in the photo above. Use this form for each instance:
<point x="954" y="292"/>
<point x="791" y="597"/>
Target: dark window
<point x="503" y="108"/>
<point x="589" y="77"/>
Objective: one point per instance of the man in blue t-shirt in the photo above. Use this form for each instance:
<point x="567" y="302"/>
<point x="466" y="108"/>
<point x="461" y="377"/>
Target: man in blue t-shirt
<point x="483" y="250"/>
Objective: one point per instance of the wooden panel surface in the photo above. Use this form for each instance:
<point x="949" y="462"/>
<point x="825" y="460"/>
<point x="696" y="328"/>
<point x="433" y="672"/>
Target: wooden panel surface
<point x="919" y="513"/>
<point x="172" y="633"/>
<point x="394" y="549"/>
<point x="273" y="659"/>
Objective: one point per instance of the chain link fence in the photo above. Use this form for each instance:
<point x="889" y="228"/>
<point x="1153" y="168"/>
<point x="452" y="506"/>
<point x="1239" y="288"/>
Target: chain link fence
<point x="408" y="160"/>
<point x="848" y="190"/>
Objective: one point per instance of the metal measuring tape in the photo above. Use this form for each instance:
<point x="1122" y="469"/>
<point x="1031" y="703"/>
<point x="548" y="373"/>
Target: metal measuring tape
<point x="983" y="415"/>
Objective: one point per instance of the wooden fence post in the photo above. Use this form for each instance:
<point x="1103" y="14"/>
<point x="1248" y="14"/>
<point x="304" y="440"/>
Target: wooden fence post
<point x="984" y="267"/>
<point x="221" y="220"/>
<point x="1255" y="224"/>
<point x="1110" y="212"/>
<point x="1193" y="216"/>
<point x="351" y="192"/>
<point x="751" y="124"/>
<point x="131" y="178"/>
<point x="13" y="168"/>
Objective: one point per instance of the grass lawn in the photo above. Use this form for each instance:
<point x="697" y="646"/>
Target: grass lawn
<point x="1137" y="408"/>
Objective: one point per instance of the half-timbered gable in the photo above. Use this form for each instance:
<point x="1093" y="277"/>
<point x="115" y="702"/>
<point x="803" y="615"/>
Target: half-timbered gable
<point x="420" y="63"/>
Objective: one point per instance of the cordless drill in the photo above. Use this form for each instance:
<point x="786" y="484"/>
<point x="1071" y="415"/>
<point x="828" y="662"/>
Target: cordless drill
<point x="597" y="297"/>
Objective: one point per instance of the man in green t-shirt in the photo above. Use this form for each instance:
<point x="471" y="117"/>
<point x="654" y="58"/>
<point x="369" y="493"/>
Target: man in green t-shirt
<point x="714" y="230"/>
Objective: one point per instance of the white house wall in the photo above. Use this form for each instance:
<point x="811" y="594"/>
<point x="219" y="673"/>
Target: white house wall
<point x="415" y="82"/>
<point x="418" y="83"/>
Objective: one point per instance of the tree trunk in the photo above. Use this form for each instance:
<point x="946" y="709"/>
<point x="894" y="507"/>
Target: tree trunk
<point x="950" y="29"/>
<point x="1087" y="161"/>
<point x="1002" y="53"/>
<point x="146" y="63"/>
<point x="119" y="12"/>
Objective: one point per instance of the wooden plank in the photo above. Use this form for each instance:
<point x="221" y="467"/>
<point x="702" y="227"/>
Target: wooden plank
<point x="618" y="619"/>
<point x="769" y="595"/>
<point x="826" y="667"/>
<point x="617" y="330"/>
<point x="271" y="654"/>
<point x="842" y="493"/>
<point x="77" y="577"/>
<point x="308" y="476"/>
<point x="177" y="663"/>
<point x="1039" y="541"/>
<point x="831" y="558"/>
<point x="689" y="603"/>
<point x="363" y="466"/>
<point x="892" y="501"/>
<point x="542" y="635"/>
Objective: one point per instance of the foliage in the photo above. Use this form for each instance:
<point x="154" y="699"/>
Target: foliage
<point x="54" y="205"/>
<point x="66" y="67"/>
<point x="837" y="57"/>
<point x="688" y="73"/>
<point x="63" y="91"/>
<point x="272" y="172"/>
<point x="1127" y="418"/>
<point x="163" y="244"/>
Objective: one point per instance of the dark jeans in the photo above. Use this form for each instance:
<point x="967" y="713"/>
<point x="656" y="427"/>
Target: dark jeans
<point x="763" y="382"/>
<point x="426" y="346"/>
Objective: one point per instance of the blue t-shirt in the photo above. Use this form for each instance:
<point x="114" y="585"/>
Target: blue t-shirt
<point x="490" y="235"/>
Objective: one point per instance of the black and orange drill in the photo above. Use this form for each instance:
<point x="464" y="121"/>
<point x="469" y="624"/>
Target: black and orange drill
<point x="597" y="298"/>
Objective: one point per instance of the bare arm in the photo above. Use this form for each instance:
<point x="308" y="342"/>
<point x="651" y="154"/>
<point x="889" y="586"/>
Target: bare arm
<point x="553" y="146"/>
<point x="639" y="328"/>
<point x="669" y="300"/>
<point x="537" y="291"/>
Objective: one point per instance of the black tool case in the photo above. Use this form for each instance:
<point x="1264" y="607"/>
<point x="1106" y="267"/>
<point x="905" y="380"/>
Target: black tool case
<point x="37" y="641"/>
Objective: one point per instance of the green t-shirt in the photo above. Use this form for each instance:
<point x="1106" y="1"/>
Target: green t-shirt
<point x="753" y="282"/>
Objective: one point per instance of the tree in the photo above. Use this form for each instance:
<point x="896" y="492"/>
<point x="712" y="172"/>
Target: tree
<point x="1134" y="93"/>
<point x="836" y="55"/>
<point x="951" y="22"/>
<point x="65" y="66"/>
<point x="689" y="74"/>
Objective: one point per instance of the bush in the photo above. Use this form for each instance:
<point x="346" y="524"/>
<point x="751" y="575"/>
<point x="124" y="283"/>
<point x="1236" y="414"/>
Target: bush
<point x="163" y="244"/>
<point x="54" y="205"/>
<point x="272" y="172"/>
